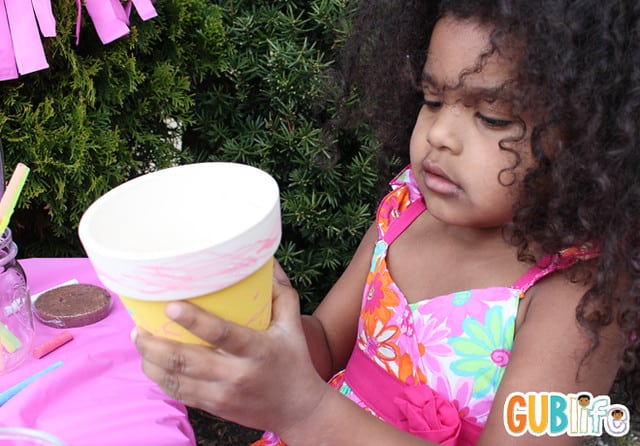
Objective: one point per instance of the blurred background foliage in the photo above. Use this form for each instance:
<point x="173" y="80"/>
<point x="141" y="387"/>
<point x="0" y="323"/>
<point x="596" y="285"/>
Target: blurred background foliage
<point x="244" y="81"/>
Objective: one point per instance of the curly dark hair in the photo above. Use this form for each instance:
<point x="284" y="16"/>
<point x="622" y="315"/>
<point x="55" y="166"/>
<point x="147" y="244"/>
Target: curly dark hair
<point x="578" y="70"/>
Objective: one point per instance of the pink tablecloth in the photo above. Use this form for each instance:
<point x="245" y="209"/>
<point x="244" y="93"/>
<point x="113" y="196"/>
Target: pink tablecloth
<point x="99" y="396"/>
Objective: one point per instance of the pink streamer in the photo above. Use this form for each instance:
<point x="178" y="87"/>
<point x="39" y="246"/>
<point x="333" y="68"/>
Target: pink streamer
<point x="78" y="21"/>
<point x="145" y="9"/>
<point x="27" y="46"/>
<point x="109" y="19"/>
<point x="8" y="68"/>
<point x="23" y="21"/>
<point x="44" y="14"/>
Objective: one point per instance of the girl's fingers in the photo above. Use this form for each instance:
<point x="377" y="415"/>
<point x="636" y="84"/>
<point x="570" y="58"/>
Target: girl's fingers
<point x="173" y="384"/>
<point x="229" y="336"/>
<point x="173" y="357"/>
<point x="279" y="274"/>
<point x="286" y="305"/>
<point x="244" y="365"/>
<point x="191" y="390"/>
<point x="225" y="335"/>
<point x="197" y="375"/>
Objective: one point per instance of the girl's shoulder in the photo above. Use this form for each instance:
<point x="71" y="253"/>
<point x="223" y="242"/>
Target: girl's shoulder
<point x="554" y="289"/>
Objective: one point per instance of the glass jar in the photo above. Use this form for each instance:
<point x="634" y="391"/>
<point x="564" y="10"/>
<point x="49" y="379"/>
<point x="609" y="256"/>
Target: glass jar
<point x="16" y="319"/>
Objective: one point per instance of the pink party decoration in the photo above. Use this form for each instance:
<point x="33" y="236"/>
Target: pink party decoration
<point x="109" y="18"/>
<point x="27" y="46"/>
<point x="44" y="14"/>
<point x="8" y="68"/>
<point x="23" y="21"/>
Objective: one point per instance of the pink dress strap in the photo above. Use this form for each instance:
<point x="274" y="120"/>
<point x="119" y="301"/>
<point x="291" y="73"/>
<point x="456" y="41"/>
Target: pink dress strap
<point x="555" y="262"/>
<point x="541" y="269"/>
<point x="417" y="409"/>
<point x="400" y="207"/>
<point x="405" y="219"/>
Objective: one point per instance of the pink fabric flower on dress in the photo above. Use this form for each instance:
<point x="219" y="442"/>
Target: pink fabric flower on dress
<point x="426" y="414"/>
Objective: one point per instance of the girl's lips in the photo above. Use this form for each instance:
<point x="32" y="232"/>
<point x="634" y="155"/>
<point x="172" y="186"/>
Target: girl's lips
<point x="436" y="180"/>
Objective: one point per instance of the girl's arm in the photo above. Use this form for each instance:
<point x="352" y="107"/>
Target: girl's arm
<point x="548" y="348"/>
<point x="331" y="330"/>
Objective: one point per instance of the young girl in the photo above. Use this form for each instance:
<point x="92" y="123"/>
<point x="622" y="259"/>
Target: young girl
<point x="505" y="259"/>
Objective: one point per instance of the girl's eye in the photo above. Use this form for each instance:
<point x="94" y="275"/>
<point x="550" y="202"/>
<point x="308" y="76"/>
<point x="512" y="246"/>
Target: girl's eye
<point x="432" y="104"/>
<point x="494" y="122"/>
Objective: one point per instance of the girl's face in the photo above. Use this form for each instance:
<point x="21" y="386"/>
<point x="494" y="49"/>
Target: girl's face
<point x="455" y="153"/>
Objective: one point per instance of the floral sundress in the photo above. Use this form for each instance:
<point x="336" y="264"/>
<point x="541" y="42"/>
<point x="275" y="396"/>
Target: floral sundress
<point x="443" y="358"/>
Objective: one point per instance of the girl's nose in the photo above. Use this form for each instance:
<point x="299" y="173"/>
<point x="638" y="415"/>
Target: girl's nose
<point x="446" y="129"/>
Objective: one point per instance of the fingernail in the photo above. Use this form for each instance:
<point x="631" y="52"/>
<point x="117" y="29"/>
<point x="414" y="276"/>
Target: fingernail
<point x="172" y="310"/>
<point x="134" y="334"/>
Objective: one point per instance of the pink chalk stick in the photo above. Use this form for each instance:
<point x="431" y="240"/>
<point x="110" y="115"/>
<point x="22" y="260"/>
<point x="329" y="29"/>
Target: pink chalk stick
<point x="55" y="342"/>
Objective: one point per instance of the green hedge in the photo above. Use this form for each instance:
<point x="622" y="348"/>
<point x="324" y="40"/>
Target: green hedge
<point x="244" y="81"/>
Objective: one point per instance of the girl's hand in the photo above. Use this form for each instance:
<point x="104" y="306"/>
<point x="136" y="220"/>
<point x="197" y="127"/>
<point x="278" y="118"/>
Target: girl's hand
<point x="261" y="379"/>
